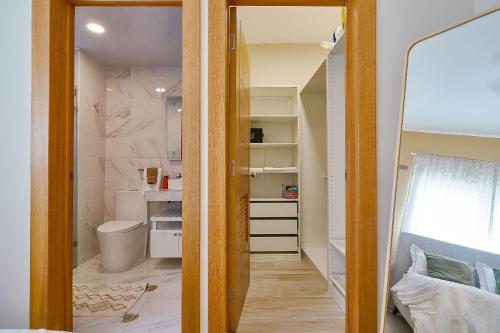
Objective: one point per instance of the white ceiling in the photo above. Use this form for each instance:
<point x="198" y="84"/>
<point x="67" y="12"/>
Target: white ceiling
<point x="453" y="82"/>
<point x="135" y="36"/>
<point x="289" y="25"/>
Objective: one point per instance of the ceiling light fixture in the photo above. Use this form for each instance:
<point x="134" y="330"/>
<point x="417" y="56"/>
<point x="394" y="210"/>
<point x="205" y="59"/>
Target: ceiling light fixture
<point x="327" y="45"/>
<point x="96" y="28"/>
<point x="179" y="110"/>
<point x="160" y="90"/>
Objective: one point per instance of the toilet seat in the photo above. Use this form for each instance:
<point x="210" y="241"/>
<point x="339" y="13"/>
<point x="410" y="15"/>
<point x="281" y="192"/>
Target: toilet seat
<point x="119" y="226"/>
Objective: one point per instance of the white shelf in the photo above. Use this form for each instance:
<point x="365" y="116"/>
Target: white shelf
<point x="163" y="195"/>
<point x="275" y="172"/>
<point x="278" y="118"/>
<point x="166" y="218"/>
<point x="168" y="225"/>
<point x="172" y="213"/>
<point x="274" y="199"/>
<point x="339" y="245"/>
<point x="273" y="145"/>
<point x="338" y="280"/>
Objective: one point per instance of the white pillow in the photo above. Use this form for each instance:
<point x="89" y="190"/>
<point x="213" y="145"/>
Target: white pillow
<point x="486" y="277"/>
<point x="418" y="260"/>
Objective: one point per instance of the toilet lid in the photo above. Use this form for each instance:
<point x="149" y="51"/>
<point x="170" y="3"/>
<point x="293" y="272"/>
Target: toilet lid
<point x="119" y="226"/>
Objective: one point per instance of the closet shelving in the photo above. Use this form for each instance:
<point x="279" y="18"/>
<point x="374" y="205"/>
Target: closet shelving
<point x="274" y="222"/>
<point x="268" y="145"/>
<point x="338" y="280"/>
<point x="339" y="245"/>
<point x="335" y="68"/>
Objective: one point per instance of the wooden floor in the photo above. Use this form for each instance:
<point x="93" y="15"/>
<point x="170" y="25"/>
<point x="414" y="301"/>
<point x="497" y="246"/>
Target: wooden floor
<point x="289" y="297"/>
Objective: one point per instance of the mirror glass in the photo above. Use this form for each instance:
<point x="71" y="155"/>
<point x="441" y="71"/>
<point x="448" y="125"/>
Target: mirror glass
<point x="174" y="128"/>
<point x="444" y="271"/>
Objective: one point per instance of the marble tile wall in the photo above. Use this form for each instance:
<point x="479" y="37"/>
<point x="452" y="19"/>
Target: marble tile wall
<point x="136" y="127"/>
<point x="91" y="130"/>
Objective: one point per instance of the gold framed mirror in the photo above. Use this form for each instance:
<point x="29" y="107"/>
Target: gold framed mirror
<point x="443" y="263"/>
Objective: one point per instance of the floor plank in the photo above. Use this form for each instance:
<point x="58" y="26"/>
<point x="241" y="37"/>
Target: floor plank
<point x="289" y="297"/>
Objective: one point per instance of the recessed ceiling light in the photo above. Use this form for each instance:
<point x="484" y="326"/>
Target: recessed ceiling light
<point x="94" y="27"/>
<point x="160" y="90"/>
<point x="179" y="110"/>
<point x="327" y="45"/>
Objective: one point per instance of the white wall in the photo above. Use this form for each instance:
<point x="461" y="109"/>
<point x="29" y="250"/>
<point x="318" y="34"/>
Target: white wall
<point x="15" y="129"/>
<point x="400" y="23"/>
<point x="484" y="5"/>
<point x="284" y="64"/>
<point x="91" y="124"/>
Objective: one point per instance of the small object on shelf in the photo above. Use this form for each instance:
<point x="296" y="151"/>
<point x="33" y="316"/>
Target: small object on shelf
<point x="290" y="191"/>
<point x="164" y="184"/>
<point x="256" y="135"/>
<point x="152" y="174"/>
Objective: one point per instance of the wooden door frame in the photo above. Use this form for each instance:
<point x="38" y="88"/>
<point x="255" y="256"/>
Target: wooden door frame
<point x="52" y="160"/>
<point x="361" y="189"/>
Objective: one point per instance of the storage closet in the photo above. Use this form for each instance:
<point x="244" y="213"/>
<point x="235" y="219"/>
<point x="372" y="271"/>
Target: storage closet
<point x="335" y="90"/>
<point x="274" y="164"/>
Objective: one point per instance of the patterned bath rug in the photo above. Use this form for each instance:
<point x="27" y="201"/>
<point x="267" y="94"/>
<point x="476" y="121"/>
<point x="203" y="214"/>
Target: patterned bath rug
<point x="107" y="300"/>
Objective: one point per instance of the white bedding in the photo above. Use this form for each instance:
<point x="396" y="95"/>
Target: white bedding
<point x="439" y="306"/>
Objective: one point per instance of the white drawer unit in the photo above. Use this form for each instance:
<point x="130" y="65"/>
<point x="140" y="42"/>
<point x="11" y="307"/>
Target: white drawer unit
<point x="273" y="209"/>
<point x="273" y="227"/>
<point x="273" y="244"/>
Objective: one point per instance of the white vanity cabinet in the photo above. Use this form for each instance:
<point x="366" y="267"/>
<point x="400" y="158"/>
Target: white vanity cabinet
<point x="165" y="216"/>
<point x="166" y="243"/>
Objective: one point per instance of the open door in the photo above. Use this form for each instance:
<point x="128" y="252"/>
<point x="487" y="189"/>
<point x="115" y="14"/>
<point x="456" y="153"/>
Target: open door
<point x="238" y="176"/>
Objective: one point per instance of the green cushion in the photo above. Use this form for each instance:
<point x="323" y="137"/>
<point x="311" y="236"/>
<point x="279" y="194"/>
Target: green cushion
<point x="497" y="279"/>
<point x="449" y="269"/>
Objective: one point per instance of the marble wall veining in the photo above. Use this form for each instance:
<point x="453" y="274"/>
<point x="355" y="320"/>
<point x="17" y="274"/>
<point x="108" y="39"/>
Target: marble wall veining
<point x="136" y="127"/>
<point x="91" y="130"/>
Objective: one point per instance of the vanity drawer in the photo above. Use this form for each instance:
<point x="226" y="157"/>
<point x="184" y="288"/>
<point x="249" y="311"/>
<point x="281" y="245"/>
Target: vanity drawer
<point x="273" y="227"/>
<point x="273" y="244"/>
<point x="273" y="209"/>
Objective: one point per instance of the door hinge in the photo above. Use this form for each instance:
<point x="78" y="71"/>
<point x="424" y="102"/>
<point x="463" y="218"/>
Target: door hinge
<point x="232" y="42"/>
<point x="232" y="168"/>
<point x="232" y="296"/>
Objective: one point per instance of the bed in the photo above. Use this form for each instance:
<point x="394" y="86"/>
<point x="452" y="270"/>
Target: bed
<point x="410" y="291"/>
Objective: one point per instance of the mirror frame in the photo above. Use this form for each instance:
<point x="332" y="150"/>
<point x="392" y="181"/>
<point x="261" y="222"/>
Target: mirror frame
<point x="387" y="275"/>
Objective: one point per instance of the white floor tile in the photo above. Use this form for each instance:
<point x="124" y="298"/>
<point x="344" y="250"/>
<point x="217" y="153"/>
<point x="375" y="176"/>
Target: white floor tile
<point x="159" y="310"/>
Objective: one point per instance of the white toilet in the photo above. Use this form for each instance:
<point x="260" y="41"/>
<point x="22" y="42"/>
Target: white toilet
<point x="123" y="241"/>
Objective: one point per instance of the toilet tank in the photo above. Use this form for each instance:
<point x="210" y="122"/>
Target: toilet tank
<point x="130" y="205"/>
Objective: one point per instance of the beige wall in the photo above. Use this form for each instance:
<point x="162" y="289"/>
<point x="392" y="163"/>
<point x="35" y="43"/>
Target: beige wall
<point x="442" y="144"/>
<point x="284" y="64"/>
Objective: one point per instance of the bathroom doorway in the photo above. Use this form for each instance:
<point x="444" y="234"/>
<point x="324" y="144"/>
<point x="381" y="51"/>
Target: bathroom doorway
<point x="128" y="96"/>
<point x="131" y="90"/>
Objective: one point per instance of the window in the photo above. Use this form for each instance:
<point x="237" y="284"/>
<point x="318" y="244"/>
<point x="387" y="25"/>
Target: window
<point x="455" y="200"/>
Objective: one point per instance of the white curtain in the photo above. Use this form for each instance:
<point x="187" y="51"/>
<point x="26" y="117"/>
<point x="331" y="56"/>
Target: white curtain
<point x="453" y="200"/>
